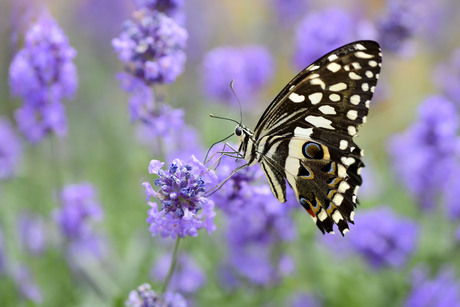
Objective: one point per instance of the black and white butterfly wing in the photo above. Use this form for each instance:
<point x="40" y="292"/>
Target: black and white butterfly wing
<point x="306" y="134"/>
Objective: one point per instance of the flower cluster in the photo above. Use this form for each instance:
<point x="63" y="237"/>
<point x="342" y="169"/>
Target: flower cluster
<point x="250" y="67"/>
<point x="10" y="150"/>
<point x="380" y="236"/>
<point x="289" y="11"/>
<point x="79" y="208"/>
<point x="32" y="233"/>
<point x="152" y="47"/>
<point x="321" y="32"/>
<point x="26" y="285"/>
<point x="444" y="290"/>
<point x="144" y="296"/>
<point x="172" y="8"/>
<point x="257" y="225"/>
<point x="425" y="155"/>
<point x="42" y="74"/>
<point x="184" y="209"/>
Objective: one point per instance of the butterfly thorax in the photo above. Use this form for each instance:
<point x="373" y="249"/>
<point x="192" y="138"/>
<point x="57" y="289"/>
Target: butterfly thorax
<point x="246" y="144"/>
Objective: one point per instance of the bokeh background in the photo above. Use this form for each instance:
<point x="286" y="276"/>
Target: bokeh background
<point x="73" y="228"/>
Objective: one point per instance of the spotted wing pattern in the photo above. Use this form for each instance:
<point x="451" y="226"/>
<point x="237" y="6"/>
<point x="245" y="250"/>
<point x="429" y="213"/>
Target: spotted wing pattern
<point x="306" y="134"/>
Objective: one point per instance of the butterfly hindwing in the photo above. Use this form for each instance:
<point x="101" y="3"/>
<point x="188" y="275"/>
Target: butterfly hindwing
<point x="306" y="134"/>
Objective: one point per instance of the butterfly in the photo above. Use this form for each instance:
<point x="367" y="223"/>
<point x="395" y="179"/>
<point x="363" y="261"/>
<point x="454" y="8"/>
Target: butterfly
<point x="305" y="136"/>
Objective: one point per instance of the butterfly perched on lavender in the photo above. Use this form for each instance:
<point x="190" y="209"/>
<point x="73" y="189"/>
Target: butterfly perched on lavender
<point x="306" y="134"/>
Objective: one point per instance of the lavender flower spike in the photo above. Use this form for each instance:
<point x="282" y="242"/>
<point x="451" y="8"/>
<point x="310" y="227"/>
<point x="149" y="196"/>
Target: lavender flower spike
<point x="144" y="296"/>
<point x="10" y="149"/>
<point x="152" y="47"/>
<point x="183" y="209"/>
<point x="42" y="74"/>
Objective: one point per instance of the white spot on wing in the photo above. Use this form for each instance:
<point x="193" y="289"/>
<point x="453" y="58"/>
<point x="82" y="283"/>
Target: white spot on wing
<point x="363" y="55"/>
<point x="296" y="98"/>
<point x="338" y="87"/>
<point x="372" y="63"/>
<point x="352" y="114"/>
<point x="369" y="74"/>
<point x="343" y="144"/>
<point x="348" y="161"/>
<point x="337" y="200"/>
<point x="355" y="99"/>
<point x="334" y="67"/>
<point x="360" y="47"/>
<point x="318" y="81"/>
<point x="354" y="76"/>
<point x="343" y="187"/>
<point x="337" y="216"/>
<point x="352" y="216"/>
<point x="351" y="130"/>
<point x="315" y="97"/>
<point x="341" y="171"/>
<point x="322" y="215"/>
<point x="332" y="57"/>
<point x="365" y="87"/>
<point x="327" y="110"/>
<point x="303" y="132"/>
<point x="313" y="67"/>
<point x="319" y="121"/>
<point x="334" y="97"/>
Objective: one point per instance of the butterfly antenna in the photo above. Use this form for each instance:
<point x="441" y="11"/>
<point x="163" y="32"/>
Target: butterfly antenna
<point x="224" y="139"/>
<point x="239" y="103"/>
<point x="225" y="118"/>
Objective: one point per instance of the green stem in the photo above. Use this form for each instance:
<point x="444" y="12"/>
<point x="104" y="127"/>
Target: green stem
<point x="172" y="266"/>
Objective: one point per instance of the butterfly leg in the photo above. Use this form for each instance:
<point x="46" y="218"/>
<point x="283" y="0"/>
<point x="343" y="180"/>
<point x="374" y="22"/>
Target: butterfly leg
<point x="219" y="186"/>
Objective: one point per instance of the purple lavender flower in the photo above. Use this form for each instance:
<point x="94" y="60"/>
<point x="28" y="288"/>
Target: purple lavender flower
<point x="10" y="149"/>
<point x="172" y="8"/>
<point x="452" y="194"/>
<point x="447" y="77"/>
<point x="144" y="296"/>
<point x="142" y="100"/>
<point x="42" y="74"/>
<point x="424" y="155"/>
<point x="302" y="299"/>
<point x="442" y="291"/>
<point x="381" y="237"/>
<point x="256" y="225"/>
<point x="32" y="233"/>
<point x="289" y="11"/>
<point x="251" y="67"/>
<point x="152" y="47"/>
<point x="320" y="32"/>
<point x="398" y="25"/>
<point x="26" y="285"/>
<point x="79" y="209"/>
<point x="184" y="208"/>
<point x="188" y="276"/>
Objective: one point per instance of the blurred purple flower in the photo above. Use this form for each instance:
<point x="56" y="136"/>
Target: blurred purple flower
<point x="10" y="149"/>
<point x="163" y="121"/>
<point x="144" y="296"/>
<point x="188" y="276"/>
<point x="381" y="237"/>
<point x="142" y="100"/>
<point x="398" y="25"/>
<point x="32" y="233"/>
<point x="250" y="67"/>
<point x="172" y="8"/>
<point x="321" y="32"/>
<point x="452" y="195"/>
<point x="424" y="156"/>
<point x="184" y="208"/>
<point x="152" y="47"/>
<point x="257" y="224"/>
<point x="447" y="77"/>
<point x="442" y="291"/>
<point x="289" y="11"/>
<point x="79" y="209"/>
<point x="79" y="206"/>
<point x="42" y="74"/>
<point x="26" y="285"/>
<point x="302" y="299"/>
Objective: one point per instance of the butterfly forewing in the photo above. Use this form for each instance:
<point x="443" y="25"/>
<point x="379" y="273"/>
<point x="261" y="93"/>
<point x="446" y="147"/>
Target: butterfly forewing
<point x="307" y="133"/>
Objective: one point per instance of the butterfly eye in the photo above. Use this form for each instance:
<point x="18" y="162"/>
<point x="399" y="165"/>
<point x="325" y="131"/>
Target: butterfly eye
<point x="238" y="131"/>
